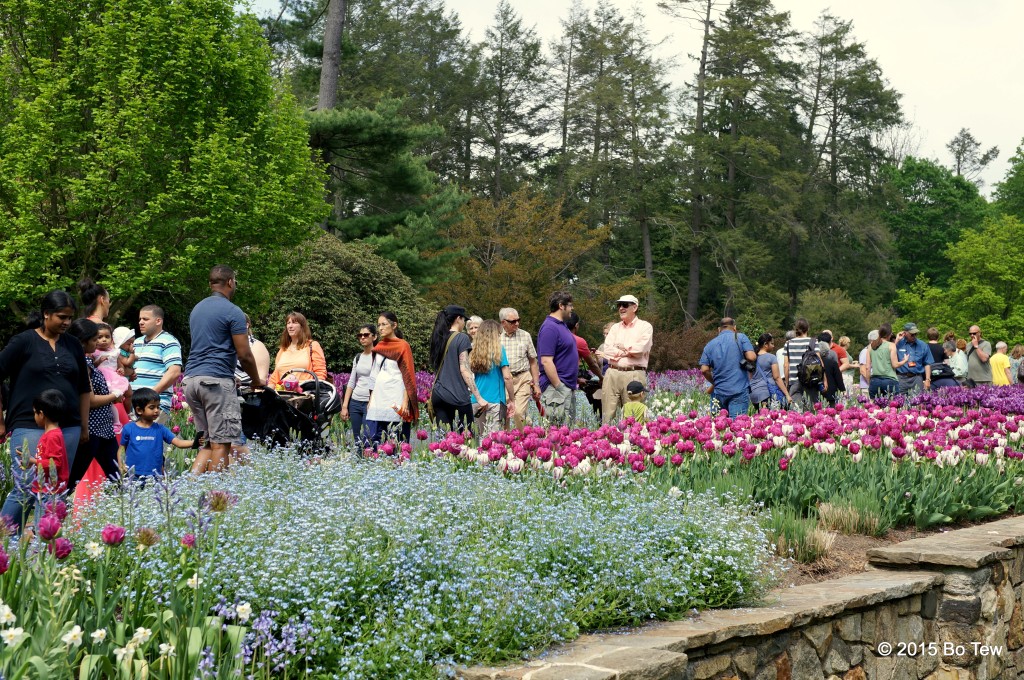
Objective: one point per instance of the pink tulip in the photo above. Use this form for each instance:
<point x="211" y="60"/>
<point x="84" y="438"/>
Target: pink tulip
<point x="188" y="540"/>
<point x="5" y="561"/>
<point x="421" y="435"/>
<point x="49" y="527"/>
<point x="112" y="534"/>
<point x="61" y="548"/>
<point x="57" y="508"/>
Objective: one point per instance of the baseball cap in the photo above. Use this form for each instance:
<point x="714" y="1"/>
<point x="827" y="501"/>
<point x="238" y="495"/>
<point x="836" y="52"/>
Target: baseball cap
<point x="631" y="299"/>
<point x="910" y="328"/>
<point x="635" y="387"/>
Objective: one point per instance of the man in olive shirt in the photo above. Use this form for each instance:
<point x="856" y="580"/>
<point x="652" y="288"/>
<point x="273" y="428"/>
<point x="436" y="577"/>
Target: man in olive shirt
<point x="979" y="371"/>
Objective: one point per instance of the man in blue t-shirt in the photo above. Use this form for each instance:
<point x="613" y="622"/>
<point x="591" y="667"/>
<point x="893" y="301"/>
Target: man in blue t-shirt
<point x="916" y="374"/>
<point x="720" y="364"/>
<point x="219" y="340"/>
<point x="559" y="361"/>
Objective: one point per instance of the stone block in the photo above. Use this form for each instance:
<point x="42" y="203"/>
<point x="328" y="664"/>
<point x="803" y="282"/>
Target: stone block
<point x="1016" y="571"/>
<point x="838" y="658"/>
<point x="708" y="667"/>
<point x="959" y="610"/>
<point x="999" y="571"/>
<point x="885" y="624"/>
<point x="1015" y="631"/>
<point x="962" y="638"/>
<point x="909" y="629"/>
<point x="650" y="664"/>
<point x="856" y="655"/>
<point x="805" y="660"/>
<point x="820" y="637"/>
<point x="867" y="628"/>
<point x="745" y="661"/>
<point x="891" y="667"/>
<point x="767" y="672"/>
<point x="930" y="604"/>
<point x="849" y="627"/>
<point x="947" y="673"/>
<point x="855" y="673"/>
<point x="927" y="663"/>
<point x="966" y="583"/>
<point x="909" y="605"/>
<point x="560" y="671"/>
<point x="783" y="667"/>
<point x="989" y="599"/>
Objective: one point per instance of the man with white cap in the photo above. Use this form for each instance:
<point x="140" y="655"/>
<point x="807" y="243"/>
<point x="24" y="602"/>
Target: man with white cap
<point x="627" y="350"/>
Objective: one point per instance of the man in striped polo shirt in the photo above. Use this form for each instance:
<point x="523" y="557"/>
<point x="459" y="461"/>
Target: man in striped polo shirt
<point x="158" y="362"/>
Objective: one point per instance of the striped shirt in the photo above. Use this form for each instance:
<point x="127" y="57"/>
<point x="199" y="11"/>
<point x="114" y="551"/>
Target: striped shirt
<point x="519" y="349"/>
<point x="795" y="349"/>
<point x="155" y="357"/>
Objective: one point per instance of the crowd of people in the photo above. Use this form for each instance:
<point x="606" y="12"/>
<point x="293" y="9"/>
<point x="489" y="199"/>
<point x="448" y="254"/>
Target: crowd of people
<point x="805" y="369"/>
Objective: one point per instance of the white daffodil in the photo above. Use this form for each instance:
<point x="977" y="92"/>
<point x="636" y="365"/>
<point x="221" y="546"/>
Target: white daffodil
<point x="12" y="636"/>
<point x="99" y="636"/>
<point x="167" y="650"/>
<point x="73" y="638"/>
<point x="127" y="651"/>
<point x="243" y="611"/>
<point x="194" y="581"/>
<point x="7" y="616"/>
<point x="93" y="549"/>
<point x="141" y="637"/>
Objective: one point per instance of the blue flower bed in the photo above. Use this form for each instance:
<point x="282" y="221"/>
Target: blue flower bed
<point x="365" y="569"/>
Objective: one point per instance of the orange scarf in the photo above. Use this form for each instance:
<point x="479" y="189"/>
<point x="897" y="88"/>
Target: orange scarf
<point x="400" y="352"/>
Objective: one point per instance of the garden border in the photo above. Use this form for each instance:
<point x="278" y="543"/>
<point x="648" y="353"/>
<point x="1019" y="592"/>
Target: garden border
<point x="917" y="612"/>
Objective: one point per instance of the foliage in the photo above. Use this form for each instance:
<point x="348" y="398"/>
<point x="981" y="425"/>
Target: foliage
<point x="968" y="158"/>
<point x="139" y="138"/>
<point x="1009" y="193"/>
<point x="929" y="208"/>
<point x="984" y="287"/>
<point x="835" y="310"/>
<point x="379" y="571"/>
<point x="520" y="250"/>
<point x="339" y="286"/>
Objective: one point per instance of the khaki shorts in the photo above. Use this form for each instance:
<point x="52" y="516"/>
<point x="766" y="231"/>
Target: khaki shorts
<point x="215" y="407"/>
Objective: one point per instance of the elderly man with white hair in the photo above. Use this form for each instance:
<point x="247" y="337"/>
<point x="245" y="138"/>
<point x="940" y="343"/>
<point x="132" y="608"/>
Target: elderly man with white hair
<point x="862" y="360"/>
<point x="1001" y="365"/>
<point x="628" y="351"/>
<point x="522" y="362"/>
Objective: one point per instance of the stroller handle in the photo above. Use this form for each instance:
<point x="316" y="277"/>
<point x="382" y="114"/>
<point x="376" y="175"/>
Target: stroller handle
<point x="316" y="387"/>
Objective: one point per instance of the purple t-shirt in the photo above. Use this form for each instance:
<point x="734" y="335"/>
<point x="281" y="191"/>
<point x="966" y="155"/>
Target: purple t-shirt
<point x="556" y="340"/>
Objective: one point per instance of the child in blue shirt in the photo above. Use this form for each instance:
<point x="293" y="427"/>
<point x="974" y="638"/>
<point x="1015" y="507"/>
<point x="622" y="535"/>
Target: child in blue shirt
<point x="142" y="442"/>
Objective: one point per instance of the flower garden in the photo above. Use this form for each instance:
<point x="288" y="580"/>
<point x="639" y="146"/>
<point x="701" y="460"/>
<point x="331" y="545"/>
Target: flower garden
<point x="446" y="551"/>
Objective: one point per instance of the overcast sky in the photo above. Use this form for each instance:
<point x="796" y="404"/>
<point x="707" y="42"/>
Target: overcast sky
<point x="957" y="64"/>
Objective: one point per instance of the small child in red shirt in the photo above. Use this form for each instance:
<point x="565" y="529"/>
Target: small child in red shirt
<point x="51" y="459"/>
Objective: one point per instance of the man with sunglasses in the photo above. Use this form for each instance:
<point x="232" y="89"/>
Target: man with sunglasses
<point x="979" y="370"/>
<point x="627" y="350"/>
<point x="522" y="362"/>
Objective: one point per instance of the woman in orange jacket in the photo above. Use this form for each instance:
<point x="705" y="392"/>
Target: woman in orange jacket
<point x="298" y="349"/>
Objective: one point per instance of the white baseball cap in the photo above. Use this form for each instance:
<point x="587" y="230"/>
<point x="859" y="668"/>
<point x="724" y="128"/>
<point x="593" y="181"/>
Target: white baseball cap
<point x="631" y="299"/>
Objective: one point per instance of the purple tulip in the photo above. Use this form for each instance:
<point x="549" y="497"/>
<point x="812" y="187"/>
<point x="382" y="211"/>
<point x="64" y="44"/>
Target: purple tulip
<point x="61" y="548"/>
<point x="49" y="527"/>
<point x="112" y="535"/>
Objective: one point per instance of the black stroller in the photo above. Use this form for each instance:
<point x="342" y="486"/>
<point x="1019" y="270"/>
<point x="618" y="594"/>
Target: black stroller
<point x="302" y="416"/>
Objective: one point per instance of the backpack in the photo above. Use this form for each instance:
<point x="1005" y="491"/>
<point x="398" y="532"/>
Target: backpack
<point x="811" y="370"/>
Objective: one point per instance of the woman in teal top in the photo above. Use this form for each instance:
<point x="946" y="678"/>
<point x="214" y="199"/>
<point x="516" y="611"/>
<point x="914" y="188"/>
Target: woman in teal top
<point x="489" y="364"/>
<point x="882" y="364"/>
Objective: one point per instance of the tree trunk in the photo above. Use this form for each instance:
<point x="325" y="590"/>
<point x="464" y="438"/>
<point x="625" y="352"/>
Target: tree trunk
<point x="697" y="199"/>
<point x="331" y="63"/>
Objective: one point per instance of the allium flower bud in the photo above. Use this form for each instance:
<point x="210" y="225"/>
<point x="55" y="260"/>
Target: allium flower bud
<point x="147" y="537"/>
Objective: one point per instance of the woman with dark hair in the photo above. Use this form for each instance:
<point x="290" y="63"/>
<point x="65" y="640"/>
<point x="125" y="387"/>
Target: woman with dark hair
<point x="102" y="443"/>
<point x="95" y="300"/>
<point x="38" y="359"/>
<point x="453" y="378"/>
<point x="767" y="386"/>
<point x="360" y="384"/>
<point x="881" y="365"/>
<point x="393" y="404"/>
<point x="298" y="349"/>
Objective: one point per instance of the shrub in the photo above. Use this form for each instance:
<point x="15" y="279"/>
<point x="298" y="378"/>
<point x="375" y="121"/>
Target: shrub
<point x="339" y="286"/>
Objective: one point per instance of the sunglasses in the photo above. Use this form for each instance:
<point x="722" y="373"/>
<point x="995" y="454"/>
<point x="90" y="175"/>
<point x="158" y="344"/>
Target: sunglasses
<point x="514" y="322"/>
<point x="624" y="304"/>
<point x="364" y="335"/>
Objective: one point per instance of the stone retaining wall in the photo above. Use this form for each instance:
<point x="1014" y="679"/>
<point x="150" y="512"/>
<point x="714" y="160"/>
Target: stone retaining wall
<point x="945" y="607"/>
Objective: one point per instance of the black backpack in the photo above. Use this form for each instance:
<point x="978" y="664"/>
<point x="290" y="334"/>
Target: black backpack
<point x="811" y="370"/>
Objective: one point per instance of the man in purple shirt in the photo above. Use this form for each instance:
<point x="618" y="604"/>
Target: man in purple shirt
<point x="559" y="361"/>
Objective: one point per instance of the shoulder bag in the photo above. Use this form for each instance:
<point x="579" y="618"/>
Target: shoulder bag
<point x="437" y="374"/>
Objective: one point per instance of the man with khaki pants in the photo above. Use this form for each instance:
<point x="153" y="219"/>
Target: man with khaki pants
<point x="522" y="362"/>
<point x="628" y="350"/>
